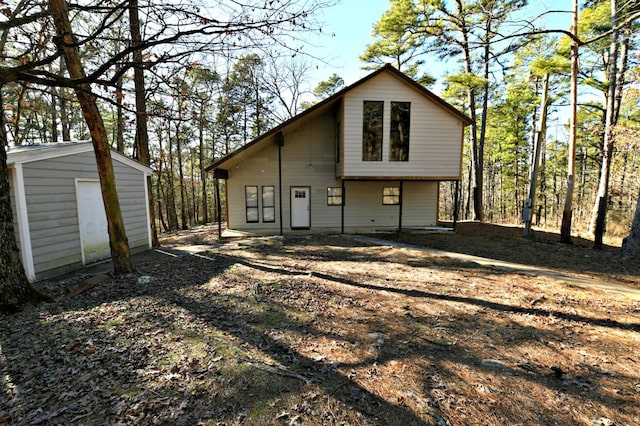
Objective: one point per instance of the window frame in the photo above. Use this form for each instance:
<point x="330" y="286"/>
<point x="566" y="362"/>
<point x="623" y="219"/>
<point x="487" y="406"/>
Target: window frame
<point x="249" y="207"/>
<point x="371" y="131"/>
<point x="391" y="199"/>
<point x="271" y="207"/>
<point x="399" y="149"/>
<point x="332" y="198"/>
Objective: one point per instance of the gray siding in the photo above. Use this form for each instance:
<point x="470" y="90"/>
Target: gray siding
<point x="53" y="212"/>
<point x="131" y="192"/>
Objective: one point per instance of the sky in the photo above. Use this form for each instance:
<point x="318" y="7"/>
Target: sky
<point x="352" y="22"/>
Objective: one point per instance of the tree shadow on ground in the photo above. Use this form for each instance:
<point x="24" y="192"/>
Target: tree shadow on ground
<point x="181" y="350"/>
<point x="506" y="243"/>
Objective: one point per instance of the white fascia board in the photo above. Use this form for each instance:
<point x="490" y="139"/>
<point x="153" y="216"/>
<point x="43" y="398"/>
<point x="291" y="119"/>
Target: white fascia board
<point x="116" y="156"/>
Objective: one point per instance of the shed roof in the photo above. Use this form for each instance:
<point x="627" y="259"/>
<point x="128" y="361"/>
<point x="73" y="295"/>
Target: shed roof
<point x="29" y="153"/>
<point x="235" y="157"/>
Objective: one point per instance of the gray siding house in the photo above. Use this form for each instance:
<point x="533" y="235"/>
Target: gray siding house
<point x="368" y="158"/>
<point x="57" y="206"/>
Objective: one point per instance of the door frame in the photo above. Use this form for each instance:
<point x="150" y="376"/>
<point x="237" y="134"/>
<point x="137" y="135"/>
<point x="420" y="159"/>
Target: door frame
<point x="291" y="192"/>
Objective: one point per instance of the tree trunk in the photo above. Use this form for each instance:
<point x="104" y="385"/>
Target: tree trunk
<point x="183" y="203"/>
<point x="631" y="244"/>
<point x="567" y="212"/>
<point x="203" y="173"/>
<point x="142" y="133"/>
<point x="64" y="114"/>
<point x="54" y="116"/>
<point x="15" y="290"/>
<point x="600" y="207"/>
<point x="537" y="149"/>
<point x="120" y="253"/>
<point x="119" y="117"/>
<point x="170" y="205"/>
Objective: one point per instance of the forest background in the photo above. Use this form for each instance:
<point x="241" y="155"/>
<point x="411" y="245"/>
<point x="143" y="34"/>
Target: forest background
<point x="217" y="74"/>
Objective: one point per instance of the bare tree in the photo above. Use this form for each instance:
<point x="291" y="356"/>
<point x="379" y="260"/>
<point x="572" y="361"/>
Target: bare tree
<point x="120" y="253"/>
<point x="173" y="33"/>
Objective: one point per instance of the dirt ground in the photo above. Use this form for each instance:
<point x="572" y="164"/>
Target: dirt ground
<point x="315" y="330"/>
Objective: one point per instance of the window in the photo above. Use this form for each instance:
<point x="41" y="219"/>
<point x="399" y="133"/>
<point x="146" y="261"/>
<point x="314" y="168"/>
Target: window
<point x="334" y="196"/>
<point x="372" y="130"/>
<point x="251" y="201"/>
<point x="391" y="195"/>
<point x="268" y="204"/>
<point x="399" y="132"/>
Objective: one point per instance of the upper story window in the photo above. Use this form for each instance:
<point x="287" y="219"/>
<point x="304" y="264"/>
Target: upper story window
<point x="372" y="127"/>
<point x="399" y="131"/>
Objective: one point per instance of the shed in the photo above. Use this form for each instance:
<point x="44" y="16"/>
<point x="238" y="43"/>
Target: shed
<point x="59" y="217"/>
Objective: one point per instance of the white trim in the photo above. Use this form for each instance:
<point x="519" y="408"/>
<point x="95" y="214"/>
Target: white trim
<point x="148" y="171"/>
<point x="298" y="209"/>
<point x="146" y="206"/>
<point x="22" y="215"/>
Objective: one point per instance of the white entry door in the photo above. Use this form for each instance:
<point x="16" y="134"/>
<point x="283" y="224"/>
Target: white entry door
<point x="300" y="211"/>
<point x="92" y="220"/>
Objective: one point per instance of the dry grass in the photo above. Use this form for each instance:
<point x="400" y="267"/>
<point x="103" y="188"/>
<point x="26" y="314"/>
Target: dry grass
<point x="323" y="330"/>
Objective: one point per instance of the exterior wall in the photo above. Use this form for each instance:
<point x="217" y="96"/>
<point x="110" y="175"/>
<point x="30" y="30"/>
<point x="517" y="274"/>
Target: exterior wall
<point x="133" y="198"/>
<point x="258" y="170"/>
<point x="435" y="134"/>
<point x="52" y="209"/>
<point x="364" y="209"/>
<point x="308" y="159"/>
<point x="419" y="204"/>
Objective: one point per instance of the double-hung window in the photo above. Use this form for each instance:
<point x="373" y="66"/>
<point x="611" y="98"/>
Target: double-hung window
<point x="251" y="203"/>
<point x="391" y="195"/>
<point x="334" y="196"/>
<point x="268" y="204"/>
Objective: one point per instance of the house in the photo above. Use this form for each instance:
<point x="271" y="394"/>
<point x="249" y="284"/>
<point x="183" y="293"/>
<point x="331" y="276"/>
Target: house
<point x="59" y="216"/>
<point x="368" y="158"/>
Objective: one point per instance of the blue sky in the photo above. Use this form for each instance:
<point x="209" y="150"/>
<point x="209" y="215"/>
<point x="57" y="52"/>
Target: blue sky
<point x="351" y="21"/>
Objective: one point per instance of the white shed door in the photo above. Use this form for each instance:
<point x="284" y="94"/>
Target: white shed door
<point x="300" y="212"/>
<point x="92" y="219"/>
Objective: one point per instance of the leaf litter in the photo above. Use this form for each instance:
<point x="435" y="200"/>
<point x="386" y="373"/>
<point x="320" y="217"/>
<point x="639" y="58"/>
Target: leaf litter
<point x="320" y="330"/>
